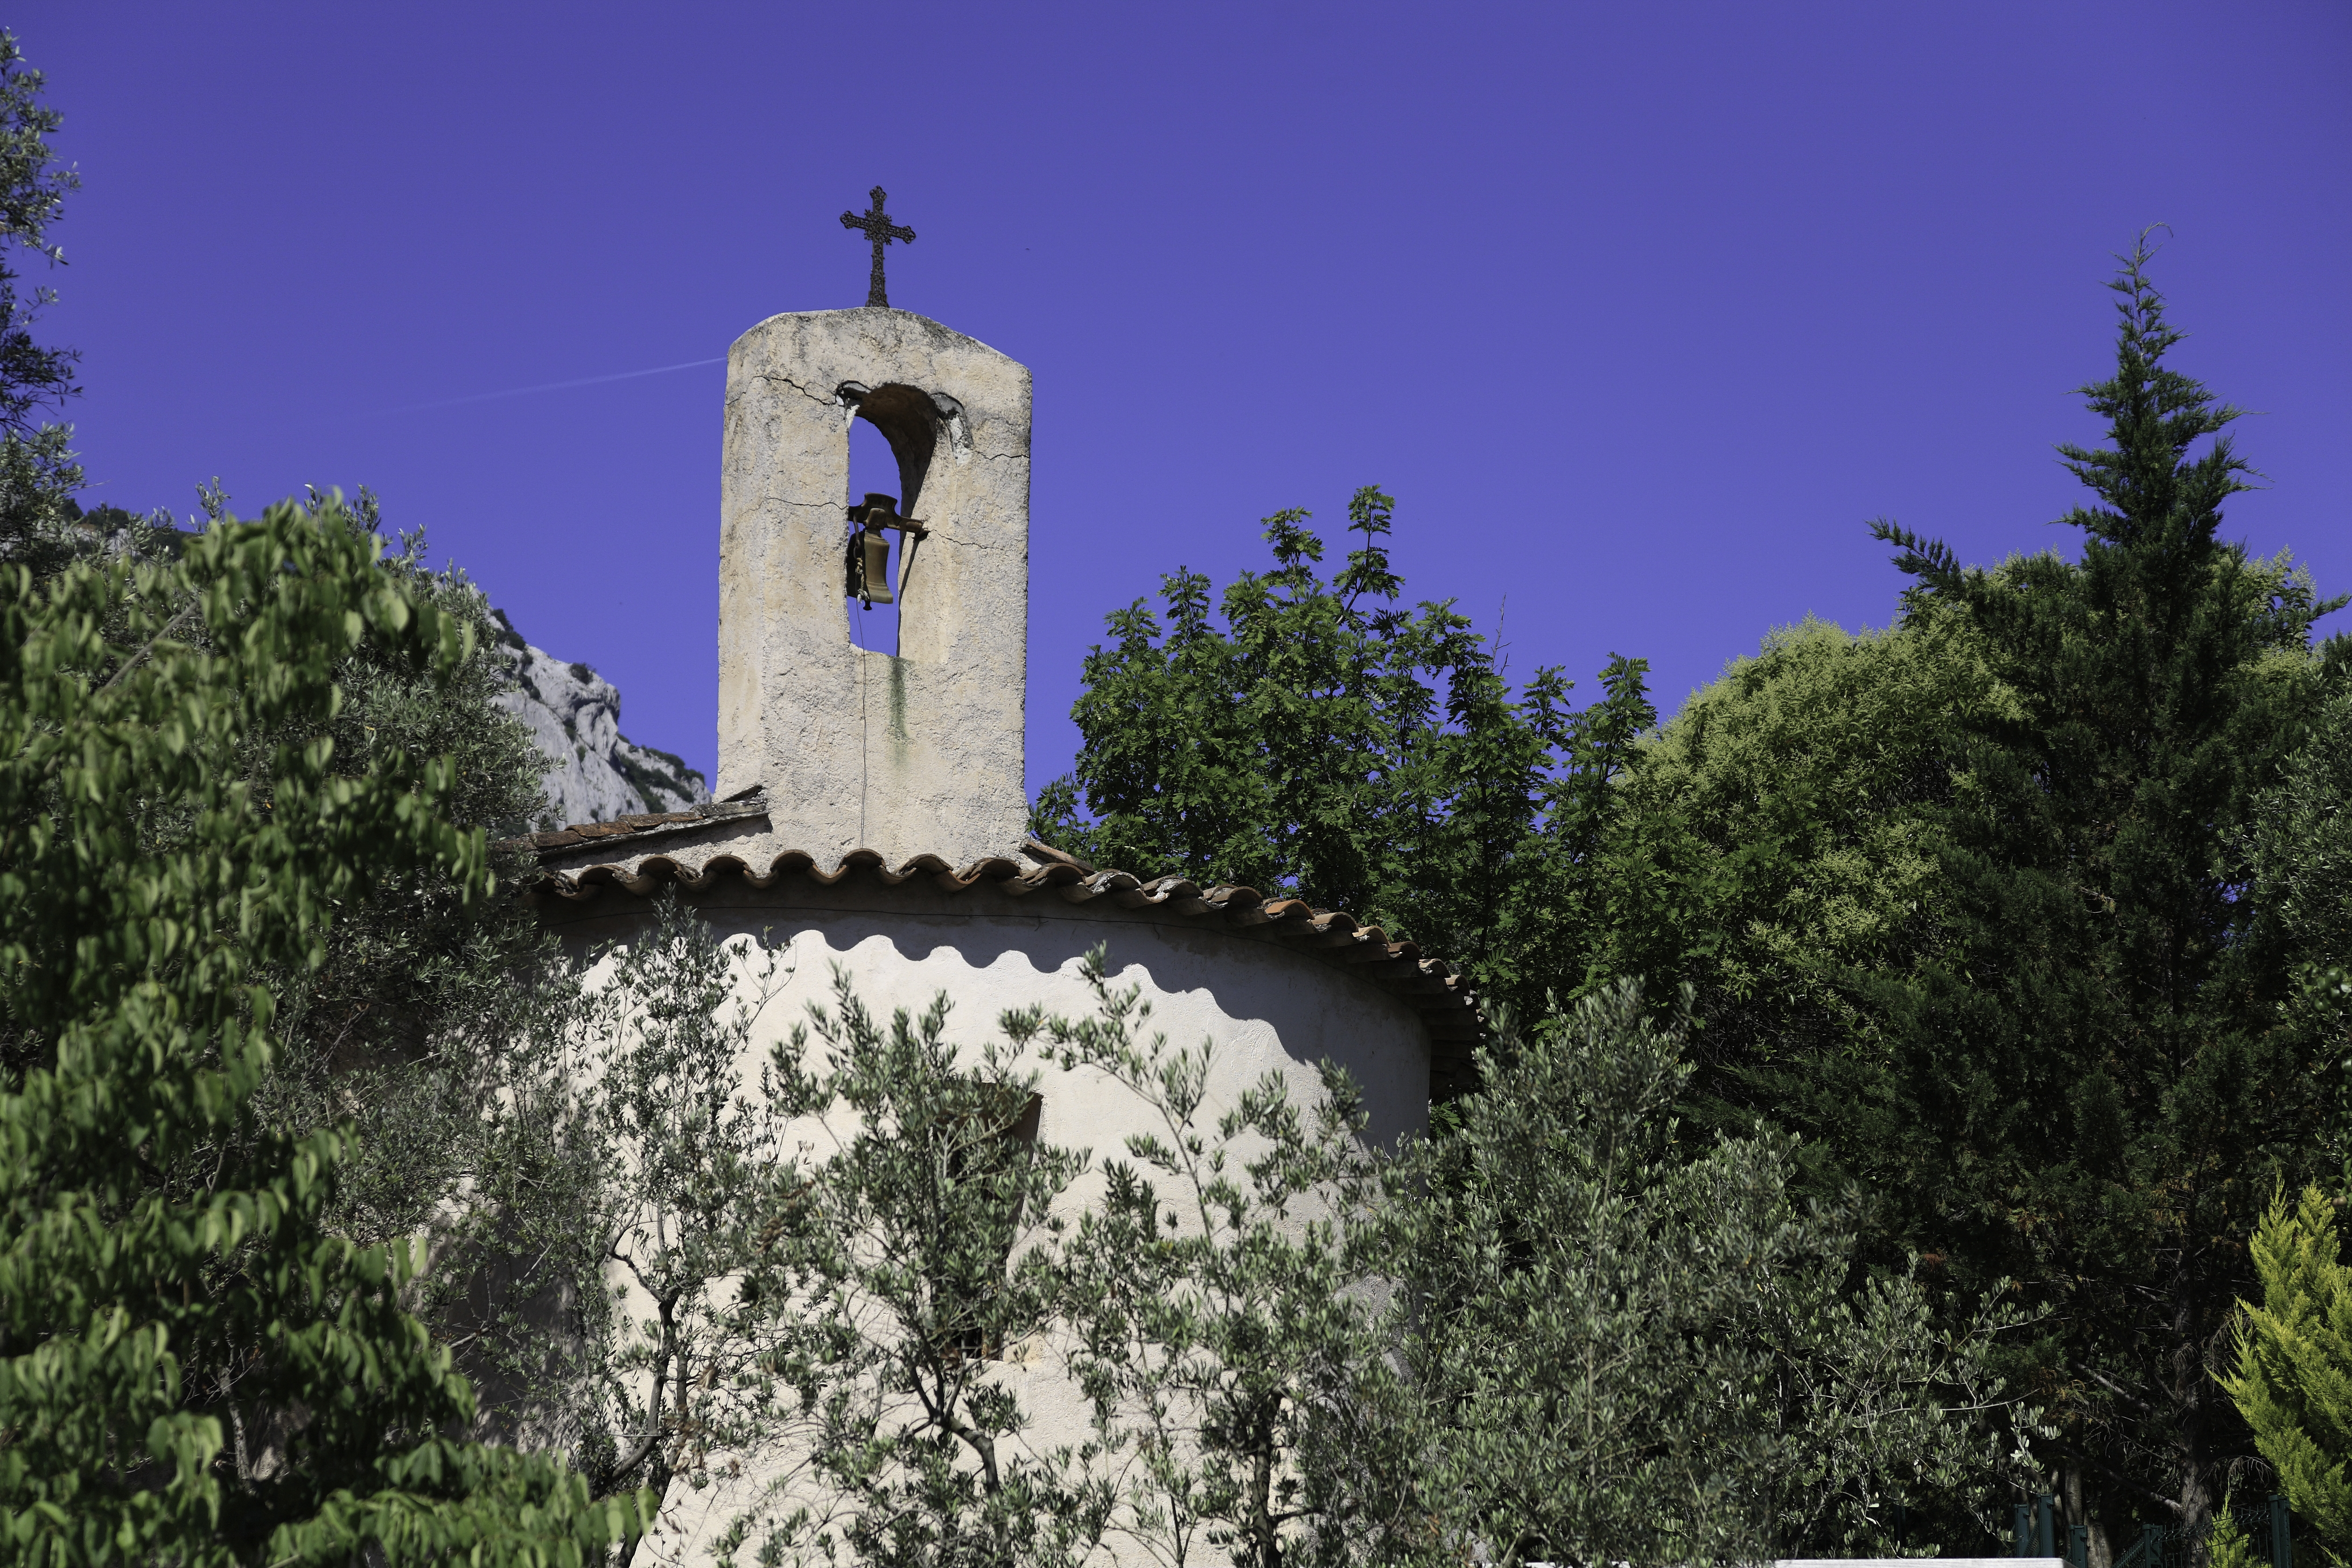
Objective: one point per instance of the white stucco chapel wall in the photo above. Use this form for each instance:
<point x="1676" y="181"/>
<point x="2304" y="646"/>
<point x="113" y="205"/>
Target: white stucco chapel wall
<point x="1267" y="1007"/>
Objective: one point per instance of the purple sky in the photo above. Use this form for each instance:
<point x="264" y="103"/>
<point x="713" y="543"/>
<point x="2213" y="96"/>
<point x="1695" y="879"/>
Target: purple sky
<point x="1640" y="312"/>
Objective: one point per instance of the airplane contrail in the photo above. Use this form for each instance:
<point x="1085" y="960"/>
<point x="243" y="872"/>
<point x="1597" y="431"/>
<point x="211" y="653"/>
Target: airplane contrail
<point x="553" y="385"/>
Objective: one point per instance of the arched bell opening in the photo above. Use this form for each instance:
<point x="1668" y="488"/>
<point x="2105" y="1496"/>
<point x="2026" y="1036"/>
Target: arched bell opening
<point x="908" y="421"/>
<point x="873" y="469"/>
<point x="893" y="431"/>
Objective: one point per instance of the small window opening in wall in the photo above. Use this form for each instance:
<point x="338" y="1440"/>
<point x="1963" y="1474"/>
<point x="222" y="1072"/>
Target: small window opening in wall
<point x="991" y="1141"/>
<point x="874" y="469"/>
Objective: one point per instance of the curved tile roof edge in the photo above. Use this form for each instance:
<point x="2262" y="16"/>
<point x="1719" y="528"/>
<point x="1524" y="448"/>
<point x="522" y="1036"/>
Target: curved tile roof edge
<point x="1433" y="988"/>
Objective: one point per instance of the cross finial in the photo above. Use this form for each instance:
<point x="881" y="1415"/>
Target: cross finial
<point x="881" y="231"/>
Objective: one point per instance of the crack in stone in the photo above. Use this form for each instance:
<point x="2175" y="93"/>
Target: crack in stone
<point x="827" y="401"/>
<point x="970" y="543"/>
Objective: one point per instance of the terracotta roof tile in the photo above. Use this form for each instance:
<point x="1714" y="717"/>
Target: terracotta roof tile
<point x="640" y="824"/>
<point x="1442" y="995"/>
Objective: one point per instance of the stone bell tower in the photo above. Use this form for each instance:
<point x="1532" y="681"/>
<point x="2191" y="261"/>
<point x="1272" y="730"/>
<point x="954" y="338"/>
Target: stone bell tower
<point x="915" y="753"/>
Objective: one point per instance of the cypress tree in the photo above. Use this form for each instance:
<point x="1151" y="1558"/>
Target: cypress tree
<point x="2086" y="1088"/>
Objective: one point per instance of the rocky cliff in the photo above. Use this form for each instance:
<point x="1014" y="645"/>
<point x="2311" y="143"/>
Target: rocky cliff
<point x="594" y="773"/>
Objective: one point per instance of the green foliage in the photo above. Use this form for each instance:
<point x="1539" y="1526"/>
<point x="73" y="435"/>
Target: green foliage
<point x="2298" y="843"/>
<point x="155" y="1230"/>
<point x="440" y="1025"/>
<point x="2022" y="911"/>
<point x="606" y="1214"/>
<point x="1563" y="1328"/>
<point x="696" y="1190"/>
<point x="1631" y="1345"/>
<point x="2293" y="1377"/>
<point x="672" y="1290"/>
<point x="2227" y="1544"/>
<point x="1215" y="1323"/>
<point x="37" y="473"/>
<point x="427" y="1004"/>
<point x="1219" y="1323"/>
<point x="2300" y="839"/>
<point x="2027" y="915"/>
<point x="916" y="1253"/>
<point x="2087" y="1085"/>
<point x="1327" y="744"/>
<point x="1781" y="840"/>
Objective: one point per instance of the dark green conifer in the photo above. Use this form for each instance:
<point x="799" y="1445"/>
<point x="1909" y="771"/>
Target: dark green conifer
<point x="2085" y="1085"/>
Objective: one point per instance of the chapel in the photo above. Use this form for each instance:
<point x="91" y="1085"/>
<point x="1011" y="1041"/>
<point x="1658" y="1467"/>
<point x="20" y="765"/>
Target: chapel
<point x="871" y="804"/>
<point x="870" y="807"/>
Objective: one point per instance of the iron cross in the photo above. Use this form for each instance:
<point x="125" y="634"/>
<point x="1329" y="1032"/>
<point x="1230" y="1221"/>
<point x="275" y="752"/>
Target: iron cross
<point x="881" y="231"/>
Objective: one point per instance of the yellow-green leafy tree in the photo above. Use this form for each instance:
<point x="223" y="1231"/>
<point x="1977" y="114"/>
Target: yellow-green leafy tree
<point x="2294" y="1378"/>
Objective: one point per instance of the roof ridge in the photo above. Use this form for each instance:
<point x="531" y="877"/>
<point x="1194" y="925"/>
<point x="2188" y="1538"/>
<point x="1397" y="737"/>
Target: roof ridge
<point x="1434" y="988"/>
<point x="635" y="824"/>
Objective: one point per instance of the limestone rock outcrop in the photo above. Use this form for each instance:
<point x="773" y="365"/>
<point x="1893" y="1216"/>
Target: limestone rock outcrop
<point x="594" y="773"/>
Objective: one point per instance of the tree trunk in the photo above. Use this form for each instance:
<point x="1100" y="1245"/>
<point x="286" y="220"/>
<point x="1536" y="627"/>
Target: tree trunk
<point x="2192" y="1387"/>
<point x="1265" y="1540"/>
<point x="659" y="1471"/>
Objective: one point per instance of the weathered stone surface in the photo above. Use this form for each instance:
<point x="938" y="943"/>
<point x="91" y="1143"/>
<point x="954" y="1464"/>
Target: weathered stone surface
<point x="919" y="753"/>
<point x="594" y="773"/>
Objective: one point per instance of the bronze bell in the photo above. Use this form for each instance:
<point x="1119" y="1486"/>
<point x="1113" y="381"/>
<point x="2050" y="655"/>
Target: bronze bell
<point x="875" y="545"/>
<point x="869" y="551"/>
